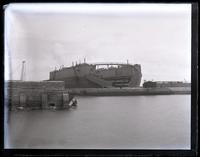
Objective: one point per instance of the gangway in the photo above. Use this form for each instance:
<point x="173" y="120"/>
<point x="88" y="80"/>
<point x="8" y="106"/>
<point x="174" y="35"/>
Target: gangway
<point x="99" y="81"/>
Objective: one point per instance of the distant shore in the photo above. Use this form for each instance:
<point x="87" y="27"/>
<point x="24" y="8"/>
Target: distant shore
<point x="129" y="91"/>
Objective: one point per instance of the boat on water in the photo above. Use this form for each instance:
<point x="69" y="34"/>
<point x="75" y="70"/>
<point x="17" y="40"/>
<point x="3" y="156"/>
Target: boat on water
<point x="73" y="103"/>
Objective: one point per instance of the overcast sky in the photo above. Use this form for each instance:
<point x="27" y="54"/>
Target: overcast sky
<point x="157" y="36"/>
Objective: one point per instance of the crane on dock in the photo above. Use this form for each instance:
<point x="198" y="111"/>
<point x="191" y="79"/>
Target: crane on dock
<point x="22" y="78"/>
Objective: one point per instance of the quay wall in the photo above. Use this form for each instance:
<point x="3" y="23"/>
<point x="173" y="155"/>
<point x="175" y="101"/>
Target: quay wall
<point x="129" y="91"/>
<point x="53" y="94"/>
<point x="35" y="95"/>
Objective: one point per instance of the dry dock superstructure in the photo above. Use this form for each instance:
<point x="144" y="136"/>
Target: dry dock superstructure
<point x="99" y="75"/>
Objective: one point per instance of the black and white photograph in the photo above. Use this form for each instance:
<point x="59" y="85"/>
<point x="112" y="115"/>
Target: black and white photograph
<point x="97" y="76"/>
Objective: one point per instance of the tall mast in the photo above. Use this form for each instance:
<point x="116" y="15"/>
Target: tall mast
<point x="23" y="71"/>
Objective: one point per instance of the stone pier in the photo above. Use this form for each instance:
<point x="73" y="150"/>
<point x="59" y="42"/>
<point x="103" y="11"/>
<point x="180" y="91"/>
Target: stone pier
<point x="36" y="95"/>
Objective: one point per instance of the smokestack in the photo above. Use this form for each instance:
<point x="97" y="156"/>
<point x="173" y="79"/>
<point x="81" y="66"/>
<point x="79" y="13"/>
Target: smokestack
<point x="84" y="60"/>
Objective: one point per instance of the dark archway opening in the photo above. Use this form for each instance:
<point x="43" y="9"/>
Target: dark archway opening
<point x="52" y="105"/>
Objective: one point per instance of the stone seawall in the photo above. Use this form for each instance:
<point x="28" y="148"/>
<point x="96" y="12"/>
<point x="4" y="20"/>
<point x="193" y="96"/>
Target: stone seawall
<point x="42" y="85"/>
<point x="128" y="91"/>
<point x="36" y="95"/>
<point x="52" y="94"/>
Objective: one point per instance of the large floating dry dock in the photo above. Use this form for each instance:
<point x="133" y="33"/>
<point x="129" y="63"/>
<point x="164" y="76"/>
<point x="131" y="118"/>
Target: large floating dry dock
<point x="99" y="75"/>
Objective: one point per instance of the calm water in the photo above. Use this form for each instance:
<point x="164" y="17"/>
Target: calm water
<point x="135" y="122"/>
